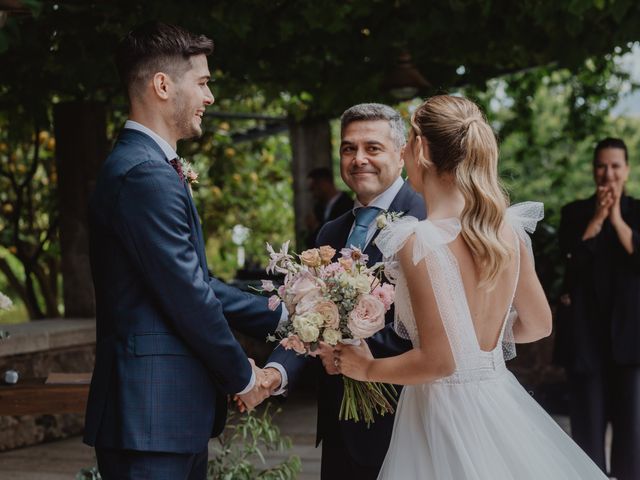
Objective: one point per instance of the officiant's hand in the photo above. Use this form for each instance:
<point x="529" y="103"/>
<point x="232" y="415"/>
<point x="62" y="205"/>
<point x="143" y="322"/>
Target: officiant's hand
<point x="354" y="361"/>
<point x="268" y="380"/>
<point x="328" y="358"/>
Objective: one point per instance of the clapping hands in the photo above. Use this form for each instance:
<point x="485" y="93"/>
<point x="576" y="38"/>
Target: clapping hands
<point x="608" y="201"/>
<point x="268" y="380"/>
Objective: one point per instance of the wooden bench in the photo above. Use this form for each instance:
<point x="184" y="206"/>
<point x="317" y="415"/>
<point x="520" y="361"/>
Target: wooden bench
<point x="59" y="393"/>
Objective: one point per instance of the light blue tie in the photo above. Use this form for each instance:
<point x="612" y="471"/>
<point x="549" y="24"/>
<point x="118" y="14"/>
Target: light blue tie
<point x="364" y="217"/>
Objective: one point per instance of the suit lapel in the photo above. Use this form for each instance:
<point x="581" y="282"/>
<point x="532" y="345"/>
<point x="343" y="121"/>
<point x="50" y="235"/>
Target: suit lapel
<point x="396" y="206"/>
<point x="195" y="225"/>
<point x="128" y="133"/>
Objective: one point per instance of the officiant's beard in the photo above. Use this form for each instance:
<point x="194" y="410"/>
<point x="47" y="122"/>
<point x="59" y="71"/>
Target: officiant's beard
<point x="185" y="120"/>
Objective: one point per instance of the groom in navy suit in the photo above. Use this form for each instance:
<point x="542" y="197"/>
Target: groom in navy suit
<point x="165" y="356"/>
<point x="373" y="136"/>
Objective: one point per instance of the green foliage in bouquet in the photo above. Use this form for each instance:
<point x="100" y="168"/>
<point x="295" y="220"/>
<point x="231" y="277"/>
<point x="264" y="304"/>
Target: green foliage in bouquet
<point x="242" y="445"/>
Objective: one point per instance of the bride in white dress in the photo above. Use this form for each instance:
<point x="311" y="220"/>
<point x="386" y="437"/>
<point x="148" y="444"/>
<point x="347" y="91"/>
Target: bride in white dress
<point x="466" y="291"/>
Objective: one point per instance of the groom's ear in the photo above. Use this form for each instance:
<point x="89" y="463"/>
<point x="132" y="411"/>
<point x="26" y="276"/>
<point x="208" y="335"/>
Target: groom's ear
<point x="161" y="83"/>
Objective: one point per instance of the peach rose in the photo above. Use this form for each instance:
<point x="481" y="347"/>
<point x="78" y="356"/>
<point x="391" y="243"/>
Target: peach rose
<point x="326" y="254"/>
<point x="329" y="312"/>
<point x="346" y="263"/>
<point x="292" y="342"/>
<point x="367" y="317"/>
<point x="311" y="257"/>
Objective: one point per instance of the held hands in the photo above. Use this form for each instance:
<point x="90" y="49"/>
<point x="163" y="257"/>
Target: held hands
<point x="268" y="380"/>
<point x="354" y="361"/>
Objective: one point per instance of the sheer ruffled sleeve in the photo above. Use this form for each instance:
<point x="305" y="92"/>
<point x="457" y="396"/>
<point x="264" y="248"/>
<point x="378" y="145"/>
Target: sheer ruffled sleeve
<point x="429" y="236"/>
<point x="523" y="218"/>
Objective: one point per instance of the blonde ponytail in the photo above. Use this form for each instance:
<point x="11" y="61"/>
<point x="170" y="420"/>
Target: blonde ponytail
<point x="461" y="142"/>
<point x="485" y="201"/>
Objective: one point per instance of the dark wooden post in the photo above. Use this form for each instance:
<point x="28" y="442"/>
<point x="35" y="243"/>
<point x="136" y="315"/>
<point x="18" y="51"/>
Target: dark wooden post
<point x="81" y="146"/>
<point x="311" y="148"/>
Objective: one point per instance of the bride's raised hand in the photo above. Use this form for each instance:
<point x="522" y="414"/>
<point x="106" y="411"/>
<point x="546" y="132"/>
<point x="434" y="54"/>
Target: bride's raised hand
<point x="354" y="361"/>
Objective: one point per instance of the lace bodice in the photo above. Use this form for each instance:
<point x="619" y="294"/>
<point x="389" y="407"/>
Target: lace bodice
<point x="431" y="245"/>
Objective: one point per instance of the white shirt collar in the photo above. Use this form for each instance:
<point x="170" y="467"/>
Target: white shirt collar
<point x="169" y="152"/>
<point x="383" y="201"/>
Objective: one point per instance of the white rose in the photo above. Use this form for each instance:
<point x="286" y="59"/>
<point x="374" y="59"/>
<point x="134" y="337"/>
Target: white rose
<point x="332" y="337"/>
<point x="308" y="332"/>
<point x="381" y="221"/>
<point x="362" y="283"/>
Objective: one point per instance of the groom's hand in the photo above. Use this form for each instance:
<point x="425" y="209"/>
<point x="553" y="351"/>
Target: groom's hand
<point x="268" y="380"/>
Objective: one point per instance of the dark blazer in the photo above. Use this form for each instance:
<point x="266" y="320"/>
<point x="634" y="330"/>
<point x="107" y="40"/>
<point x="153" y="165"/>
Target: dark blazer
<point x="165" y="355"/>
<point x="368" y="446"/>
<point x="603" y="282"/>
<point x="343" y="204"/>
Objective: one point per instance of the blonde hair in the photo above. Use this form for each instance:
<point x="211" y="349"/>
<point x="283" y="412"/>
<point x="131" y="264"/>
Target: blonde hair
<point x="461" y="142"/>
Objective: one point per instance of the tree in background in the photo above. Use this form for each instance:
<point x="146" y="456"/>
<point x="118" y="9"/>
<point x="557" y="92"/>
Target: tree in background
<point x="29" y="257"/>
<point x="548" y="122"/>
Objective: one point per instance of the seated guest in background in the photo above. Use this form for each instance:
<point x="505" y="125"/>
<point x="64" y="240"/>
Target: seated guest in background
<point x="329" y="202"/>
<point x="598" y="331"/>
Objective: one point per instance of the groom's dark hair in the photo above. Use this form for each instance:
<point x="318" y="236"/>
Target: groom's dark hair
<point x="157" y="47"/>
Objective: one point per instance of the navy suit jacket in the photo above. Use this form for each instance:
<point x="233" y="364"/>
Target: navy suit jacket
<point x="368" y="446"/>
<point x="165" y="355"/>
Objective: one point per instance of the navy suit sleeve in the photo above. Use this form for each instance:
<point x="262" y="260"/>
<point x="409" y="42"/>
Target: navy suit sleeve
<point x="387" y="343"/>
<point x="152" y="217"/>
<point x="293" y="364"/>
<point x="247" y="313"/>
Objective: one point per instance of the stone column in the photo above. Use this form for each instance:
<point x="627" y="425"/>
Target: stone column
<point x="81" y="146"/>
<point x="311" y="148"/>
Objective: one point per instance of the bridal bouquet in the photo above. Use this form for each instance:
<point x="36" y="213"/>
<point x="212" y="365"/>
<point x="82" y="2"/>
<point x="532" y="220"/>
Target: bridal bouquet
<point x="343" y="301"/>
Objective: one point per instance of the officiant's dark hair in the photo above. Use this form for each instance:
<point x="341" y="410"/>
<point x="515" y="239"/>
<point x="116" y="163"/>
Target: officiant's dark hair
<point x="157" y="47"/>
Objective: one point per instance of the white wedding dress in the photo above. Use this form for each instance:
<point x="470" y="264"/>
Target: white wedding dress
<point x="479" y="423"/>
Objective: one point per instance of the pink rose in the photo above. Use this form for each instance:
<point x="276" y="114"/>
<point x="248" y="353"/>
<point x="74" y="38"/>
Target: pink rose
<point x="385" y="293"/>
<point x="303" y="284"/>
<point x="308" y="302"/>
<point x="331" y="270"/>
<point x="292" y="342"/>
<point x="367" y="317"/>
<point x="329" y="312"/>
<point x="274" y="301"/>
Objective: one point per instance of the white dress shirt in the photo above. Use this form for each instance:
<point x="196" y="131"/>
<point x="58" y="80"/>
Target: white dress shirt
<point x="383" y="202"/>
<point x="167" y="149"/>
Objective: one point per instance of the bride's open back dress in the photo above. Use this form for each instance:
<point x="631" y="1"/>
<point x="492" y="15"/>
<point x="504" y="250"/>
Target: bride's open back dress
<point x="478" y="423"/>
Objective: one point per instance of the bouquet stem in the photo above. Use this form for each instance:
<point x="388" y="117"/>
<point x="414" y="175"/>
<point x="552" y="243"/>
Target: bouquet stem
<point x="362" y="400"/>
